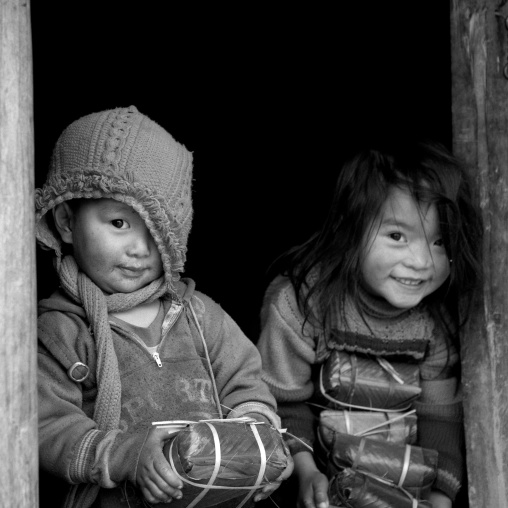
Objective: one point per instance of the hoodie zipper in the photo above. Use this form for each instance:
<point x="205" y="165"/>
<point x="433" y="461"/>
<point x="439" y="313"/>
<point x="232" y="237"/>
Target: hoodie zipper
<point x="157" y="359"/>
<point x="170" y="319"/>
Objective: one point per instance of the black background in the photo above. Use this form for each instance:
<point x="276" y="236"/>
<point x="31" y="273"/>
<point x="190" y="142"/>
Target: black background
<point x="269" y="99"/>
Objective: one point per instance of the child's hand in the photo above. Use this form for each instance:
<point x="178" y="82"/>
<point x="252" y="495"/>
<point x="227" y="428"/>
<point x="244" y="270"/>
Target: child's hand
<point x="154" y="476"/>
<point x="313" y="485"/>
<point x="313" y="491"/>
<point x="439" y="500"/>
<point x="269" y="489"/>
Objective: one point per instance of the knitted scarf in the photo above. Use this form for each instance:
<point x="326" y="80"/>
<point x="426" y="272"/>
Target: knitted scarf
<point x="97" y="305"/>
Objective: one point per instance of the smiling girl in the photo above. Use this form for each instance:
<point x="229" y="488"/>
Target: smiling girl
<point x="379" y="280"/>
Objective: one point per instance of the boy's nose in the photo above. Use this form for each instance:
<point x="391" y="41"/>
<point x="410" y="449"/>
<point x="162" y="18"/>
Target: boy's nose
<point x="141" y="245"/>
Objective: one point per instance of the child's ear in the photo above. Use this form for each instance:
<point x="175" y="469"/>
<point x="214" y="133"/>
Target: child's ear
<point x="64" y="219"/>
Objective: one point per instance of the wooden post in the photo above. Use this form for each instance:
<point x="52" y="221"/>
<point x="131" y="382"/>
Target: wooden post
<point x="479" y="41"/>
<point x="18" y="368"/>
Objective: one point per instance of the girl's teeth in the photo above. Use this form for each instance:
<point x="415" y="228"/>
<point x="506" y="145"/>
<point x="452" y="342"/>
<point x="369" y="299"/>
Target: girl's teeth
<point x="409" y="282"/>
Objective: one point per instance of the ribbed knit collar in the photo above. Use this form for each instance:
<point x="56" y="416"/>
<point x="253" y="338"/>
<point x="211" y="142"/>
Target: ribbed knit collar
<point x="373" y="326"/>
<point x="378" y="308"/>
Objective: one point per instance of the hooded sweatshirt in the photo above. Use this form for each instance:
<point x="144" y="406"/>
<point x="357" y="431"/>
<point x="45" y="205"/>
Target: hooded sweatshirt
<point x="174" y="383"/>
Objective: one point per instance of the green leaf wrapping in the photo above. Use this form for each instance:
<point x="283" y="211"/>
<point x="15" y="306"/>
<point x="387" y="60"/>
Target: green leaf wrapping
<point x="194" y="456"/>
<point x="388" y="461"/>
<point x="381" y="426"/>
<point x="353" y="489"/>
<point x="360" y="380"/>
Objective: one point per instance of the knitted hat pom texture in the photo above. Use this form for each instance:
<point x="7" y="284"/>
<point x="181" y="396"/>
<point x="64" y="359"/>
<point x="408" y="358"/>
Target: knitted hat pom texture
<point x="121" y="154"/>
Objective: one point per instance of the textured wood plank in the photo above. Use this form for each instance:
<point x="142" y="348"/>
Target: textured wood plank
<point x="18" y="394"/>
<point x="479" y="41"/>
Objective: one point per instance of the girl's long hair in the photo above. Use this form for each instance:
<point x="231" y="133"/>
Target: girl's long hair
<point x="326" y="269"/>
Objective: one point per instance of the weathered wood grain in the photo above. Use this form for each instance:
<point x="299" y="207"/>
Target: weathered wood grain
<point x="18" y="369"/>
<point x="479" y="45"/>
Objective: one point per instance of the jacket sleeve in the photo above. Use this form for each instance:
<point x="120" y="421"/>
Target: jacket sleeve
<point x="71" y="446"/>
<point x="287" y="350"/>
<point x="235" y="362"/>
<point x="440" y="415"/>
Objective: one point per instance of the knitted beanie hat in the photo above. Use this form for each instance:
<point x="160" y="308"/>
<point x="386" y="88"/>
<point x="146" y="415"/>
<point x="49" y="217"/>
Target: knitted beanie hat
<point x="121" y="154"/>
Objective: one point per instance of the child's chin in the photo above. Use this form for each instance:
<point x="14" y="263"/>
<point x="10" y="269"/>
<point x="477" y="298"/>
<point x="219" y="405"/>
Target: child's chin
<point x="123" y="288"/>
<point x="407" y="303"/>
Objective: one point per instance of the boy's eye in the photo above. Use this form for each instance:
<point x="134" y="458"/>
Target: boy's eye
<point x="119" y="223"/>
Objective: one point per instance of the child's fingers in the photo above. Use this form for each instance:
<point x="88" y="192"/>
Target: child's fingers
<point x="156" y="489"/>
<point x="314" y="494"/>
<point x="288" y="471"/>
<point x="266" y="491"/>
<point x="153" y="494"/>
<point x="272" y="487"/>
<point x="165" y="473"/>
<point x="154" y="475"/>
<point x="158" y="484"/>
<point x="321" y="492"/>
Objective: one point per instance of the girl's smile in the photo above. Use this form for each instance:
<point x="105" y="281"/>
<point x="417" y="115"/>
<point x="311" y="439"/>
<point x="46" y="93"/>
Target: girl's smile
<point x="410" y="282"/>
<point x="405" y="259"/>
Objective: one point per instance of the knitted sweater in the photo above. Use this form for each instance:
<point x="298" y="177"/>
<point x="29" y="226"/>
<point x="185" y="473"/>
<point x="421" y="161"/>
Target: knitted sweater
<point x="174" y="385"/>
<point x="290" y="357"/>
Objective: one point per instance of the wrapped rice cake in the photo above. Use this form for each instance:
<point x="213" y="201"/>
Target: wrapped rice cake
<point x="366" y="382"/>
<point x="220" y="460"/>
<point x="397" y="428"/>
<point x="410" y="467"/>
<point x="353" y="489"/>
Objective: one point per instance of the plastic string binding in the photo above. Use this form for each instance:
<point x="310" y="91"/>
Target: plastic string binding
<point x="368" y="431"/>
<point x="414" y="501"/>
<point x="365" y="433"/>
<point x="361" y="446"/>
<point x="405" y="467"/>
<point x="216" y="468"/>
<point x="301" y="440"/>
<point x="348" y="422"/>
<point x="390" y="369"/>
<point x="345" y="404"/>
<point x="214" y="386"/>
<point x="206" y="488"/>
<point x="262" y="466"/>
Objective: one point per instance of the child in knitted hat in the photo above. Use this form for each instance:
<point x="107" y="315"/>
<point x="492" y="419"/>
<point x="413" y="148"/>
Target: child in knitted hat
<point x="125" y="342"/>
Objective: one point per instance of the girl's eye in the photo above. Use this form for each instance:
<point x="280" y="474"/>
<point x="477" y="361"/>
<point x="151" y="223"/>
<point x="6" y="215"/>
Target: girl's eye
<point x="396" y="236"/>
<point x="439" y="242"/>
<point x="119" y="223"/>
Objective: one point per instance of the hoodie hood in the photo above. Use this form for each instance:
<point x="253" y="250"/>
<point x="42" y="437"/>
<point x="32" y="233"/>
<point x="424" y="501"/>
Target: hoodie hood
<point x="121" y="154"/>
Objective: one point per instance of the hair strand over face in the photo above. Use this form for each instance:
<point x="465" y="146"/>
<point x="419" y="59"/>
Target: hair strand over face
<point x="326" y="268"/>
